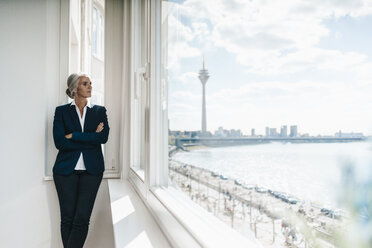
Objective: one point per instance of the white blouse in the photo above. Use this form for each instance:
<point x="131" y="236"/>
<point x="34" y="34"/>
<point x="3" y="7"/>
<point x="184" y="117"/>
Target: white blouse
<point x="80" y="163"/>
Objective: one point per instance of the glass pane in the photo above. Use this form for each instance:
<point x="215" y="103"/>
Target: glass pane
<point x="96" y="65"/>
<point x="139" y="86"/>
<point x="269" y="115"/>
<point x="84" y="35"/>
<point x="94" y="36"/>
<point x="86" y="51"/>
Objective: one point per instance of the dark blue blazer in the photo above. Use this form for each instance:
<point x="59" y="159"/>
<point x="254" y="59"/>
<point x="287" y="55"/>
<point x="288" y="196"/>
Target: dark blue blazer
<point x="66" y="120"/>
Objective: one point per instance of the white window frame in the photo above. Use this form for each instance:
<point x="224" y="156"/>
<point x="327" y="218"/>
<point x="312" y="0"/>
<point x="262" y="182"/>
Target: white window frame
<point x="156" y="125"/>
<point x="113" y="78"/>
<point x="139" y="85"/>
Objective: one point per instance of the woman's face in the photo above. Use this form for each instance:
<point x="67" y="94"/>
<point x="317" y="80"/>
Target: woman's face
<point x="84" y="88"/>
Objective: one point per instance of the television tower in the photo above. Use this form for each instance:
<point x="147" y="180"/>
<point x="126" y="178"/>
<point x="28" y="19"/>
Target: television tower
<point x="204" y="76"/>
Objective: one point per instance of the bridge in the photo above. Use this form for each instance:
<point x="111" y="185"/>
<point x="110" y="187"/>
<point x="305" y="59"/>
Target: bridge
<point x="231" y="141"/>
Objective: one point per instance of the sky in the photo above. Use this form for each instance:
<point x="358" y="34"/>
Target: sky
<point x="271" y="63"/>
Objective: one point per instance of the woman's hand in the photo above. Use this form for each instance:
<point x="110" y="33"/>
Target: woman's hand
<point x="68" y="136"/>
<point x="99" y="127"/>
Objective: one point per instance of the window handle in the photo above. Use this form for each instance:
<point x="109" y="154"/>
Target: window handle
<point x="139" y="76"/>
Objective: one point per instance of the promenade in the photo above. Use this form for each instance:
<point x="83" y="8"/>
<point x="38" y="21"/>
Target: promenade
<point x="253" y="209"/>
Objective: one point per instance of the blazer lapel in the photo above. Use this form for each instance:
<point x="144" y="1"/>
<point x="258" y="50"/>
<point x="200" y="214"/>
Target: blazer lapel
<point x="87" y="118"/>
<point x="75" y="118"/>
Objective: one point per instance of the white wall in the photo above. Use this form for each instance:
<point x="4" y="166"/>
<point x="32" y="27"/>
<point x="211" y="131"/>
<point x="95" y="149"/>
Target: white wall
<point x="29" y="88"/>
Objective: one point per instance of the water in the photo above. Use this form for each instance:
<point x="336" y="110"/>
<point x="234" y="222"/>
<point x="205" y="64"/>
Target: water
<point x="310" y="172"/>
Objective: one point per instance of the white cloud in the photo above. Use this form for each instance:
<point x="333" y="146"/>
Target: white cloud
<point x="364" y="74"/>
<point x="189" y="78"/>
<point x="187" y="95"/>
<point x="201" y="31"/>
<point x="179" y="38"/>
<point x="273" y="36"/>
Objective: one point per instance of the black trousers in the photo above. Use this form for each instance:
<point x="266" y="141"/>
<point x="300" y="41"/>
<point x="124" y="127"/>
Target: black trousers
<point x="76" y="193"/>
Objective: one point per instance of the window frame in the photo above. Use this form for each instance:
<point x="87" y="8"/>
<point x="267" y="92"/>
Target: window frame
<point x="139" y="82"/>
<point x="113" y="67"/>
<point x="156" y="120"/>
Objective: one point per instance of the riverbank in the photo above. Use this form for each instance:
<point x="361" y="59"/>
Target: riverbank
<point x="266" y="213"/>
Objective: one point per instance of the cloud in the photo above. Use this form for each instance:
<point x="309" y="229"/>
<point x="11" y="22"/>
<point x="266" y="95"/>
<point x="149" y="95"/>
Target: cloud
<point x="179" y="38"/>
<point x="189" y="78"/>
<point x="273" y="37"/>
<point x="363" y="74"/>
<point x="187" y="95"/>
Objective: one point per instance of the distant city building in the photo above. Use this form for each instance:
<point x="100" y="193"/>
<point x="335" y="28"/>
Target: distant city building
<point x="196" y="134"/>
<point x="283" y="131"/>
<point x="187" y="134"/>
<point x="228" y="133"/>
<point x="267" y="131"/>
<point x="340" y="134"/>
<point x="253" y="133"/>
<point x="273" y="132"/>
<point x="220" y="132"/>
<point x="293" y="131"/>
<point x="235" y="133"/>
<point x="175" y="133"/>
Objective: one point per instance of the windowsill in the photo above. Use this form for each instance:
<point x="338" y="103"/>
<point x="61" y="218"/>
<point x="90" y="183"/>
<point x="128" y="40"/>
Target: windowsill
<point x="140" y="173"/>
<point x="183" y="221"/>
<point x="203" y="226"/>
<point x="133" y="225"/>
<point x="105" y="176"/>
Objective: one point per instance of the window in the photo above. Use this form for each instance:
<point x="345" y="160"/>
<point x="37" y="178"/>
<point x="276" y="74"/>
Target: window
<point x="148" y="96"/>
<point x="97" y="59"/>
<point x="83" y="51"/>
<point x="256" y="101"/>
<point x="140" y="88"/>
<point x="98" y="33"/>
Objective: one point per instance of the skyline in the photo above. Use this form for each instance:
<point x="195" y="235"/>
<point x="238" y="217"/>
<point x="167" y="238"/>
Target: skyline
<point x="304" y="64"/>
<point x="263" y="133"/>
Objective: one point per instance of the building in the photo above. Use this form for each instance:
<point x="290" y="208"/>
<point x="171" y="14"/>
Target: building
<point x="293" y="131"/>
<point x="273" y="132"/>
<point x="283" y="131"/>
<point x="340" y="134"/>
<point x="175" y="133"/>
<point x="267" y="131"/>
<point x="235" y="133"/>
<point x="219" y="132"/>
<point x="253" y="132"/>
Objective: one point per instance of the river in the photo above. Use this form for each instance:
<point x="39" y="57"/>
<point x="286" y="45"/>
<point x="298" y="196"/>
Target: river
<point x="309" y="171"/>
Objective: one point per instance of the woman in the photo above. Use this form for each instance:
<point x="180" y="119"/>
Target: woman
<point x="79" y="129"/>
